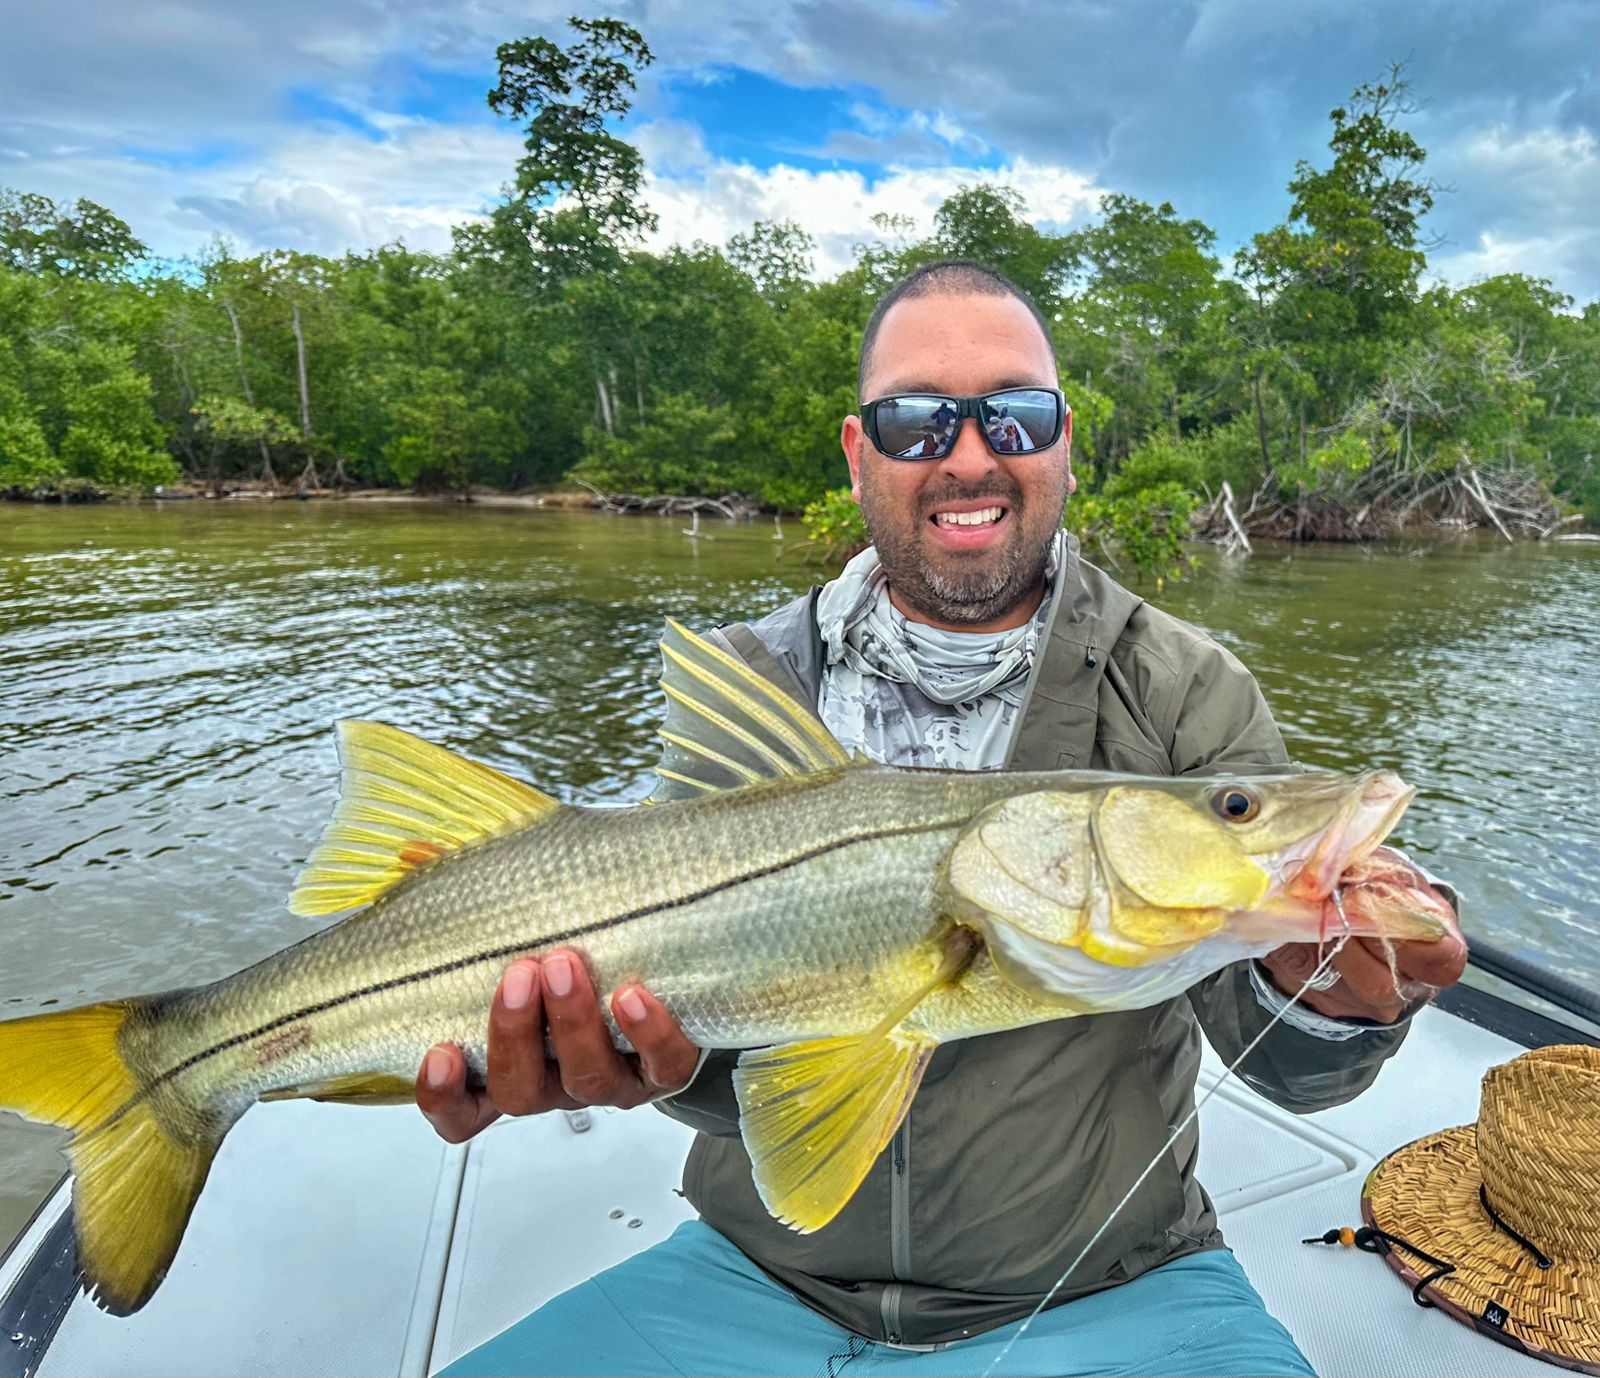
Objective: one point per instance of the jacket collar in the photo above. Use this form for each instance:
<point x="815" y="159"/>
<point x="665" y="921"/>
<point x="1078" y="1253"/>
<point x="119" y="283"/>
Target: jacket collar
<point x="1060" y="702"/>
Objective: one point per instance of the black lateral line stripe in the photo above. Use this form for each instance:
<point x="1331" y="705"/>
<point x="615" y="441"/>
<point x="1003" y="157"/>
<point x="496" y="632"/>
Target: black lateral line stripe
<point x="514" y="949"/>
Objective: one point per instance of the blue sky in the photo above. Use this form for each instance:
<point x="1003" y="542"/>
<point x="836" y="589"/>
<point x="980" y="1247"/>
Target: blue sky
<point x="334" y="124"/>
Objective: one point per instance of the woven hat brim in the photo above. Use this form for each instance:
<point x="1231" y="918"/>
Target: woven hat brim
<point x="1427" y="1194"/>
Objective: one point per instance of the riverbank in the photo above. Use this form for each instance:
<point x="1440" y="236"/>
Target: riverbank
<point x="561" y="499"/>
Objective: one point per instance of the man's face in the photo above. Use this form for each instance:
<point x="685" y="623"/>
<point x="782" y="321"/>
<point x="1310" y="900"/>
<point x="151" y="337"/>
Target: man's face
<point x="961" y="577"/>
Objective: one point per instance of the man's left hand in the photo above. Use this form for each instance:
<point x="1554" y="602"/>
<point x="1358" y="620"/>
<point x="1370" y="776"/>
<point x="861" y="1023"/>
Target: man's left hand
<point x="1367" y="988"/>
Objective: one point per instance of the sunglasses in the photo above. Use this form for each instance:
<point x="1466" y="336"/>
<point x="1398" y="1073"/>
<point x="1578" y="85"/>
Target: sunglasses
<point x="925" y="425"/>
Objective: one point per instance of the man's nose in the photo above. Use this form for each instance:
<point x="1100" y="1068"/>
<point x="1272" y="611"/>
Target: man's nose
<point x="970" y="457"/>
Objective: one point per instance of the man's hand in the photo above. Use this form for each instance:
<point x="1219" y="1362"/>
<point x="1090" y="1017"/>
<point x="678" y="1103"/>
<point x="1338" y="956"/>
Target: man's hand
<point x="555" y="997"/>
<point x="1367" y="988"/>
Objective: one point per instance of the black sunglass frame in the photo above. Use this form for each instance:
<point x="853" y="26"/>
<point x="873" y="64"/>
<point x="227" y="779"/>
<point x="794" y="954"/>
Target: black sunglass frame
<point x="964" y="407"/>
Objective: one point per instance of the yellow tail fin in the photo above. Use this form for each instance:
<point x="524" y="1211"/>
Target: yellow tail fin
<point x="136" y="1175"/>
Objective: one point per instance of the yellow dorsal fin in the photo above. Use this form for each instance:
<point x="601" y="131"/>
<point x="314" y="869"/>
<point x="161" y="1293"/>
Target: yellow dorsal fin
<point x="815" y="1115"/>
<point x="727" y="726"/>
<point x="403" y="803"/>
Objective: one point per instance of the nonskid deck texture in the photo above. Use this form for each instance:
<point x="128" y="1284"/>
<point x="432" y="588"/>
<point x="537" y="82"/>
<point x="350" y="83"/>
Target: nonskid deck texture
<point x="340" y="1241"/>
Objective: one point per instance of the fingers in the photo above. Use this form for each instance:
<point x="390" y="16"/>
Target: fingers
<point x="592" y="1071"/>
<point x="1368" y="982"/>
<point x="521" y="1080"/>
<point x="667" y="1058"/>
<point x="455" y="1112"/>
<point x="552" y="1002"/>
<point x="1366" y="988"/>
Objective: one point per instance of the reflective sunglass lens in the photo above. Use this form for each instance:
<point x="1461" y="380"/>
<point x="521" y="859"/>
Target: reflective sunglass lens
<point x="1021" y="420"/>
<point x="915" y="427"/>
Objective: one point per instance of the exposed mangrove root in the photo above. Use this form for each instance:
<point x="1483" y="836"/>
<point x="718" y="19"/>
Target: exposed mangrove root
<point x="1512" y="502"/>
<point x="734" y="506"/>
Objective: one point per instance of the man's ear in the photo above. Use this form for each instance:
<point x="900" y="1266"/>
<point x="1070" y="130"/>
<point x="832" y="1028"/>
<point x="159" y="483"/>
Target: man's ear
<point x="851" y="438"/>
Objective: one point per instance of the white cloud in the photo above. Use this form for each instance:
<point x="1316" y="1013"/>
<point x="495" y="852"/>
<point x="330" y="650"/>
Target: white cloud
<point x="1532" y="193"/>
<point x="321" y="191"/>
<point x="1207" y="104"/>
<point x="836" y="206"/>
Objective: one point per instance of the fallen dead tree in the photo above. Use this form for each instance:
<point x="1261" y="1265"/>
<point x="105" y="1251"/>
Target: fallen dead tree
<point x="1512" y="502"/>
<point x="733" y="506"/>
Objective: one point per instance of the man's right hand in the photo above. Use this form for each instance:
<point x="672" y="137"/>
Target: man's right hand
<point x="555" y="997"/>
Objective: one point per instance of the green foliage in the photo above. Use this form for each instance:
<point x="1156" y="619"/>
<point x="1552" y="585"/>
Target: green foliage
<point x="1142" y="512"/>
<point x="568" y="99"/>
<point x="835" y="525"/>
<point x="84" y="240"/>
<point x="549" y="345"/>
<point x="1146" y="528"/>
<point x="1158" y="463"/>
<point x="685" y="447"/>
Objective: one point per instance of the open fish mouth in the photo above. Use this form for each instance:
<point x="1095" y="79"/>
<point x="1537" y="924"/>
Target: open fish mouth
<point x="1311" y="870"/>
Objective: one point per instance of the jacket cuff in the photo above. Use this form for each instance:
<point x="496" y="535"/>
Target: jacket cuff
<point x="698" y="1068"/>
<point x="1305" y="1019"/>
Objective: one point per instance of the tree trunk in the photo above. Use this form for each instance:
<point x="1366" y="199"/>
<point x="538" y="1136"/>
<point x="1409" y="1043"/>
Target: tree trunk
<point x="1261" y="431"/>
<point x="268" y="475"/>
<point x="300" y="359"/>
<point x="238" y="351"/>
<point x="605" y="405"/>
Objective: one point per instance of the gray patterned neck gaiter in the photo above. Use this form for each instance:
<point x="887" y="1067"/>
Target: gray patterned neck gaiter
<point x="909" y="694"/>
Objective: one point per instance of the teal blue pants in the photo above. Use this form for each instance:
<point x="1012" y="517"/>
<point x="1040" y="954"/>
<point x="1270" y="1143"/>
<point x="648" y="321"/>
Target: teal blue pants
<point x="695" y="1305"/>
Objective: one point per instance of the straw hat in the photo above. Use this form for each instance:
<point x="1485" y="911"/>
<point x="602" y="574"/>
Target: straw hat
<point x="1513" y="1202"/>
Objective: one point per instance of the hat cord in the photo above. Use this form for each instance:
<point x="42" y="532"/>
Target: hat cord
<point x="1370" y="1239"/>
<point x="1499" y="1224"/>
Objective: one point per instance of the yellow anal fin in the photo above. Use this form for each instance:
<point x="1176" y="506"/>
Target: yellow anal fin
<point x="137" y="1167"/>
<point x="404" y="803"/>
<point x="816" y="1115"/>
<point x="350" y="1088"/>
<point x="727" y="726"/>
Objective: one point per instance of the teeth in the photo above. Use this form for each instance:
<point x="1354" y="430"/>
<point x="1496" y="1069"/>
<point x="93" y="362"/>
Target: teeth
<point x="979" y="518"/>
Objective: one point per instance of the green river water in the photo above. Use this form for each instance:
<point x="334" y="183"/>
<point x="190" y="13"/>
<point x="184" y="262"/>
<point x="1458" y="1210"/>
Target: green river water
<point x="169" y="675"/>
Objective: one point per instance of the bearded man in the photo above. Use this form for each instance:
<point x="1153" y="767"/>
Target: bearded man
<point x="970" y="635"/>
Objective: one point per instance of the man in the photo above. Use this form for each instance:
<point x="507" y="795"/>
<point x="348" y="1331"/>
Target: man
<point x="970" y="635"/>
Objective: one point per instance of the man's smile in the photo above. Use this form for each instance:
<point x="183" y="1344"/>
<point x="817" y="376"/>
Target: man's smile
<point x="969" y="525"/>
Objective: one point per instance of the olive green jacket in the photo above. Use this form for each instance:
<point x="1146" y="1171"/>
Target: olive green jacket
<point x="1019" y="1144"/>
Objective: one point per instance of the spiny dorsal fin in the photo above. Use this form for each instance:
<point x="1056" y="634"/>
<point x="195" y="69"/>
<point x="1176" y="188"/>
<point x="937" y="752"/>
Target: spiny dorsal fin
<point x="727" y="726"/>
<point x="404" y="802"/>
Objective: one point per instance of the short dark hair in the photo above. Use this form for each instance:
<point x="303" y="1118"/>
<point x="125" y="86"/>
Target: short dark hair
<point x="944" y="277"/>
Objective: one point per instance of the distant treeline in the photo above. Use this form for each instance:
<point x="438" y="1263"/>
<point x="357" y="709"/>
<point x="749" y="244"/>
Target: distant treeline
<point x="547" y="347"/>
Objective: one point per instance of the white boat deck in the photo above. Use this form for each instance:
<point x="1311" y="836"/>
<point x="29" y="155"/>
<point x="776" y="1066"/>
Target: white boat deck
<point x="352" y="1241"/>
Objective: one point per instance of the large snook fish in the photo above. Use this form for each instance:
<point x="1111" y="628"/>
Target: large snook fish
<point x="836" y="918"/>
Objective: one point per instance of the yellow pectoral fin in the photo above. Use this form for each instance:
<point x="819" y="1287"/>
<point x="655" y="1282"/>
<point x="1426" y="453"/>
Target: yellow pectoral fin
<point x="816" y="1115"/>
<point x="351" y="1088"/>
<point x="404" y="803"/>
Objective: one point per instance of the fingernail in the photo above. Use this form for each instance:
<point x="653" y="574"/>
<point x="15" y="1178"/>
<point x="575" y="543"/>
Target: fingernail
<point x="558" y="974"/>
<point x="437" y="1068"/>
<point x="517" y="988"/>
<point x="631" y="1004"/>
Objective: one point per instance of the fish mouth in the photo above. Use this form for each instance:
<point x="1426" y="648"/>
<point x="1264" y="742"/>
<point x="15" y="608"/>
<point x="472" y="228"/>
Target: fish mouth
<point x="1365" y="817"/>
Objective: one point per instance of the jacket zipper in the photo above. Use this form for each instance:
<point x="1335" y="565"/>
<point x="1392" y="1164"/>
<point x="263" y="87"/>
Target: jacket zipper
<point x="899" y="1229"/>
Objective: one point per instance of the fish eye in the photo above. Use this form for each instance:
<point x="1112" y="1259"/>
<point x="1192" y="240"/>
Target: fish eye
<point x="1235" y="804"/>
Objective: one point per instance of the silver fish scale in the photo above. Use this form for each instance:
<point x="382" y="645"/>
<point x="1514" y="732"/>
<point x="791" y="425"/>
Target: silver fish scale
<point x="789" y="909"/>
